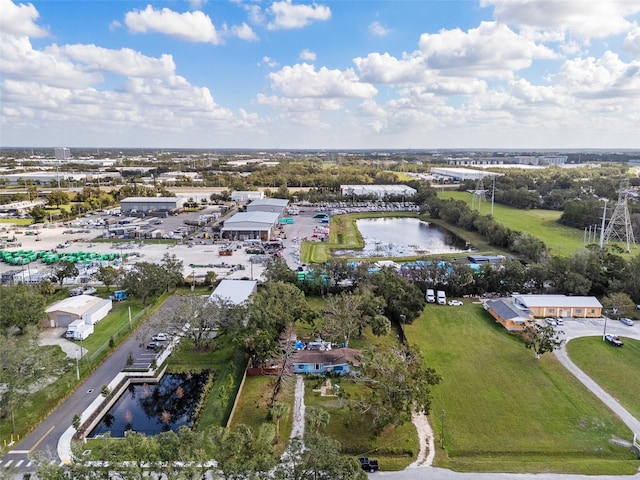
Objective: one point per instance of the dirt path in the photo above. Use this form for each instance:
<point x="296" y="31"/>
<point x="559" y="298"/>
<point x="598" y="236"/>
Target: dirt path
<point x="427" y="443"/>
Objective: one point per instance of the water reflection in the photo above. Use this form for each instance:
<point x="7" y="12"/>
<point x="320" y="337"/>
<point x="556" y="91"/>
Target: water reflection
<point x="403" y="237"/>
<point x="154" y="408"/>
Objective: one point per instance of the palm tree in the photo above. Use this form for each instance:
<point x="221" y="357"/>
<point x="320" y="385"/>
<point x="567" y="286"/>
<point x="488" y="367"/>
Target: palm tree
<point x="317" y="418"/>
<point x="278" y="410"/>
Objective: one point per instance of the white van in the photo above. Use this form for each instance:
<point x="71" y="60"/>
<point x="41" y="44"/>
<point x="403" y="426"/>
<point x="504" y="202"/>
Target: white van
<point x="442" y="298"/>
<point x="430" y="296"/>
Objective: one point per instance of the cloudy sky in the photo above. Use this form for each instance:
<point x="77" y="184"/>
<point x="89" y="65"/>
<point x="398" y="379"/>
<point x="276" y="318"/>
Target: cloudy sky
<point x="325" y="74"/>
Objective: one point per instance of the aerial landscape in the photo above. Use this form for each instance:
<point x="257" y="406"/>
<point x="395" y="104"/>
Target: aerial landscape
<point x="319" y="240"/>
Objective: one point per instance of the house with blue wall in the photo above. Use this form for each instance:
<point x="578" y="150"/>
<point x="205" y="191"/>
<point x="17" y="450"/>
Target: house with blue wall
<point x="339" y="361"/>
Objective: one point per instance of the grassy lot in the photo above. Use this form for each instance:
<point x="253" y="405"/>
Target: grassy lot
<point x="16" y="221"/>
<point x="505" y="411"/>
<point x="617" y="370"/>
<point x="395" y="448"/>
<point x="543" y="224"/>
<point x="252" y="408"/>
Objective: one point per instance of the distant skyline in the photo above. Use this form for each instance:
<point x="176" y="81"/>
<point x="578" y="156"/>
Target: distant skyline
<point x="342" y="74"/>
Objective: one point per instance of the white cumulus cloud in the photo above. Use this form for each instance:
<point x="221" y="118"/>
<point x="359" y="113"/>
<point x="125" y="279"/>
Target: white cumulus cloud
<point x="307" y="55"/>
<point x="19" y="19"/>
<point x="287" y="15"/>
<point x="189" y="26"/>
<point x="584" y="19"/>
<point x="385" y="68"/>
<point x="302" y="80"/>
<point x="632" y="42"/>
<point x="490" y="50"/>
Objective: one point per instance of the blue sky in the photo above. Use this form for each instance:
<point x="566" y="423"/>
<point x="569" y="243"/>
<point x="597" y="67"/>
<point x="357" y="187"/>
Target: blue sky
<point x="327" y="74"/>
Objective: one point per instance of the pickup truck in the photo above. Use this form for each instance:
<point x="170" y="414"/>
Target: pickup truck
<point x="369" y="465"/>
<point x="614" y="340"/>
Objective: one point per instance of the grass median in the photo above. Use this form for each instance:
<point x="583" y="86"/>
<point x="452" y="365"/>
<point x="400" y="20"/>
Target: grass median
<point x="617" y="370"/>
<point x="499" y="409"/>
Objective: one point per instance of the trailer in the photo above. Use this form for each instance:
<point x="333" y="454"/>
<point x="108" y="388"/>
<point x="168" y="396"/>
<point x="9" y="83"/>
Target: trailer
<point x="83" y="332"/>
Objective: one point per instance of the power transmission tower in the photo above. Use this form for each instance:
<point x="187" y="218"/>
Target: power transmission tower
<point x="619" y="227"/>
<point x="478" y="195"/>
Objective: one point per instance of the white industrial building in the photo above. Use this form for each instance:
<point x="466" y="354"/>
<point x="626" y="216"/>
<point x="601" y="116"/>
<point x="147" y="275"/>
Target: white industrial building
<point x="151" y="204"/>
<point x="250" y="226"/>
<point x="62" y="153"/>
<point x="247" y="196"/>
<point x="235" y="291"/>
<point x="380" y="191"/>
<point x="87" y="308"/>
<point x="461" y="174"/>
<point x="273" y="205"/>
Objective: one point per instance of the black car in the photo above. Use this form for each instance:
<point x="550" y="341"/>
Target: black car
<point x="614" y="340"/>
<point x="369" y="465"/>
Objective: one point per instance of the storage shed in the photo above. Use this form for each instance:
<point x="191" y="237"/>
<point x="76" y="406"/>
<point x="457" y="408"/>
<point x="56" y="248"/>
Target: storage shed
<point x="87" y="308"/>
<point x="250" y="226"/>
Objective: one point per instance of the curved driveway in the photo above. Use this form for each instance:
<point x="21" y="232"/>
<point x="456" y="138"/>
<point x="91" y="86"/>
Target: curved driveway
<point x="572" y="328"/>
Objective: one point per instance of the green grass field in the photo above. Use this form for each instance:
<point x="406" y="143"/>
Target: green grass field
<point x="617" y="370"/>
<point x="505" y="411"/>
<point x="543" y="224"/>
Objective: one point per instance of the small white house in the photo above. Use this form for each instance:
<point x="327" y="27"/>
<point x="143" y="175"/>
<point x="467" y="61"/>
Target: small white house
<point x="87" y="308"/>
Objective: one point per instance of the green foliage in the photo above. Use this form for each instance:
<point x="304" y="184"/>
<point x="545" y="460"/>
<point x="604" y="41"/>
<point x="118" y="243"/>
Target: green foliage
<point x="541" y="338"/>
<point x="21" y="306"/>
<point x="398" y="383"/>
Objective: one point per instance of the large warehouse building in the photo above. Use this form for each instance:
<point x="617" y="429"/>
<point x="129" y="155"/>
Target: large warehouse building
<point x="379" y="191"/>
<point x="151" y="204"/>
<point x="87" y="308"/>
<point x="461" y="174"/>
<point x="250" y="226"/>
<point x="273" y="205"/>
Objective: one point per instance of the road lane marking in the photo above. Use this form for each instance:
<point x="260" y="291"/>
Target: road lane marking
<point x="41" y="439"/>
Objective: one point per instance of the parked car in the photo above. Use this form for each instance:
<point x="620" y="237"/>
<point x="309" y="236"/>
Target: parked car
<point x="559" y="321"/>
<point x="89" y="291"/>
<point x="160" y="337"/>
<point x="455" y="303"/>
<point x="614" y="340"/>
<point x="627" y="321"/>
<point x="369" y="465"/>
<point x="551" y="321"/>
<point x="155" y="345"/>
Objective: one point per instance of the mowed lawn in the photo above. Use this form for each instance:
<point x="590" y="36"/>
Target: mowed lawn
<point x="543" y="224"/>
<point x="505" y="411"/>
<point x="617" y="370"/>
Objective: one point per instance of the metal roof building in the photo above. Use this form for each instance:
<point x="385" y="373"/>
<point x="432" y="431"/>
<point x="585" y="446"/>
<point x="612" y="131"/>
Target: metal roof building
<point x="88" y="308"/>
<point x="380" y="191"/>
<point x="560" y="305"/>
<point x="250" y="226"/>
<point x="235" y="291"/>
<point x="145" y="204"/>
<point x="273" y="205"/>
<point x="462" y="173"/>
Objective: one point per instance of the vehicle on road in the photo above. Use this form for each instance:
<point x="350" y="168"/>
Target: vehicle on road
<point x="455" y="303"/>
<point x="627" y="321"/>
<point x="614" y="340"/>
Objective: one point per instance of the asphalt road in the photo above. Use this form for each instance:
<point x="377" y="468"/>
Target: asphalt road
<point x="45" y="437"/>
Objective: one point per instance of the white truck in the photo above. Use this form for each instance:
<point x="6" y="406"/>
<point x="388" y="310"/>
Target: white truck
<point x="78" y="330"/>
<point x="441" y="297"/>
<point x="430" y="296"/>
